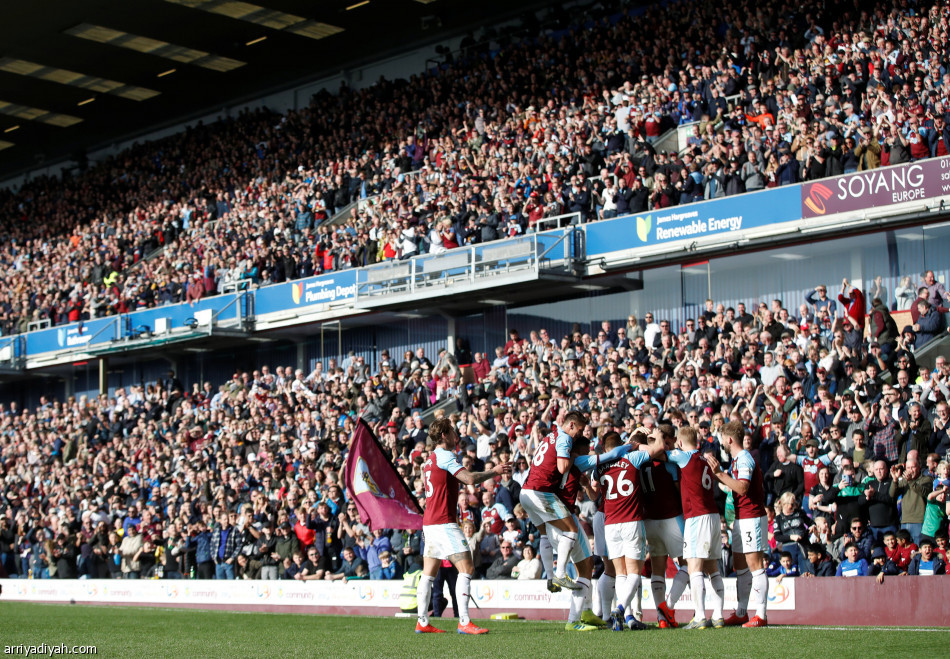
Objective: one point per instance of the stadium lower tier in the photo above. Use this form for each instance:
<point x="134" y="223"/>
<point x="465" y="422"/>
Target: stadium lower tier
<point x="858" y="601"/>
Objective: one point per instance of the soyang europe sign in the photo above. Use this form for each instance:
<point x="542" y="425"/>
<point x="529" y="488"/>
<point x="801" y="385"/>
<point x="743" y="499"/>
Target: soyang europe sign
<point x="878" y="187"/>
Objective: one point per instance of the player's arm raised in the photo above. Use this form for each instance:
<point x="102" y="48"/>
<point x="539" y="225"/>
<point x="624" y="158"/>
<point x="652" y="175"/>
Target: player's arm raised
<point x="656" y="450"/>
<point x="467" y="477"/>
<point x="594" y="489"/>
<point x="738" y="486"/>
<point x="590" y="486"/>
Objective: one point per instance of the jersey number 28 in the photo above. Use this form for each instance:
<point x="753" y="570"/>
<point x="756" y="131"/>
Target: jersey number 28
<point x="539" y="454"/>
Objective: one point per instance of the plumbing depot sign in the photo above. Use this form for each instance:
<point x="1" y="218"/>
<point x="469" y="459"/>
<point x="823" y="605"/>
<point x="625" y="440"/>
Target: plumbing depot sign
<point x="924" y="179"/>
<point x="488" y="594"/>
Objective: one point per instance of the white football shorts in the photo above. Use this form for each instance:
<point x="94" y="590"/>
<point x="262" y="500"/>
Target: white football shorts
<point x="543" y="507"/>
<point x="443" y="540"/>
<point x="750" y="535"/>
<point x="665" y="536"/>
<point x="626" y="539"/>
<point x="702" y="537"/>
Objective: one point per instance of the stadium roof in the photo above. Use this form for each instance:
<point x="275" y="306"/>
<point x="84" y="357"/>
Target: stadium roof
<point x="76" y="76"/>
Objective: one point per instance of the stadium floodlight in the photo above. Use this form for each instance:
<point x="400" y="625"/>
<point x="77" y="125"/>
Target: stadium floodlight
<point x="75" y="79"/>
<point x="263" y="16"/>
<point x="157" y="47"/>
<point x="37" y="114"/>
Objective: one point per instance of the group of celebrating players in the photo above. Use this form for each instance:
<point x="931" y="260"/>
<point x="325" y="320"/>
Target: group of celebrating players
<point x="654" y="492"/>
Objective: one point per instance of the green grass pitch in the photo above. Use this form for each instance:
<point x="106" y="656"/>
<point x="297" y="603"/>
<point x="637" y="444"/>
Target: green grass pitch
<point x="146" y="632"/>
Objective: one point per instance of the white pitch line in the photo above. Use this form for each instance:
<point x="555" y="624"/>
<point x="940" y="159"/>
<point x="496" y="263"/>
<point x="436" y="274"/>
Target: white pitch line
<point x="859" y="629"/>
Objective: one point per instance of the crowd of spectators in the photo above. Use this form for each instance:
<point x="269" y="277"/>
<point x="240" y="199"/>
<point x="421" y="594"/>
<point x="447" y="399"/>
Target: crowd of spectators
<point x="243" y="479"/>
<point x="486" y="146"/>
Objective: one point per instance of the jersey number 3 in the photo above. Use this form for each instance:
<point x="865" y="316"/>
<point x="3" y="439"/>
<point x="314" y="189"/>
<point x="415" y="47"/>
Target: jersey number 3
<point x="428" y="474"/>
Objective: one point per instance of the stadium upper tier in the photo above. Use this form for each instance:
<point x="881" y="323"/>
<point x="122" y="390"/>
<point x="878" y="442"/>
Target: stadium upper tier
<point x="486" y="146"/>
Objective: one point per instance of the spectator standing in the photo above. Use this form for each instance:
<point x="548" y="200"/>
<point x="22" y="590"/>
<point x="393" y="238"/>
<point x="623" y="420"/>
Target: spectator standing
<point x="908" y="482"/>
<point x="225" y="546"/>
<point x="131" y="550"/>
<point x="882" y="509"/>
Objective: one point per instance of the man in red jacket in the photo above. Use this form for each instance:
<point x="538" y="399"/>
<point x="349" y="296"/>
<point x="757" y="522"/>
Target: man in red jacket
<point x="854" y="304"/>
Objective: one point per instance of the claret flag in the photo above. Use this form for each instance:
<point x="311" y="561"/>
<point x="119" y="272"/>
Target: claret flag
<point x="381" y="496"/>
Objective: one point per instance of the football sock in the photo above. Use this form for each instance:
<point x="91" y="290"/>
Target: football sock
<point x="620" y="582"/>
<point x="743" y="588"/>
<point x="697" y="587"/>
<point x="760" y="591"/>
<point x="680" y="581"/>
<point x="462" y="589"/>
<point x="638" y="601"/>
<point x="423" y="597"/>
<point x="565" y="543"/>
<point x="608" y="586"/>
<point x="633" y="588"/>
<point x="578" y="598"/>
<point x="547" y="556"/>
<point x="658" y="586"/>
<point x="718" y="594"/>
<point x="596" y="603"/>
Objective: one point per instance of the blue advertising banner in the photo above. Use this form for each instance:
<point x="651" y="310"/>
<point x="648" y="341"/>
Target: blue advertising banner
<point x="314" y="290"/>
<point x="74" y="335"/>
<point x="708" y="218"/>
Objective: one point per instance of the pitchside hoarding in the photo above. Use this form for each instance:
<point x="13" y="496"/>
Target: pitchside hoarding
<point x="509" y="594"/>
